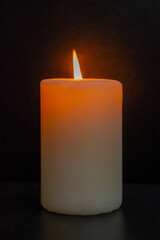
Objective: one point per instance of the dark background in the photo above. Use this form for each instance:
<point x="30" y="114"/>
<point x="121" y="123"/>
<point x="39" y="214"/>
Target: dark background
<point x="113" y="39"/>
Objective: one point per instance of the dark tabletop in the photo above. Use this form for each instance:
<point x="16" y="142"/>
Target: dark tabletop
<point x="22" y="217"/>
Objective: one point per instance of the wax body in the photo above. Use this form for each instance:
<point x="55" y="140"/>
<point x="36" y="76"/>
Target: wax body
<point x="81" y="146"/>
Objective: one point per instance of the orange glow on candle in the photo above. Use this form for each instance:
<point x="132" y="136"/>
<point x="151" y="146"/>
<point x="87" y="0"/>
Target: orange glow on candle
<point x="76" y="67"/>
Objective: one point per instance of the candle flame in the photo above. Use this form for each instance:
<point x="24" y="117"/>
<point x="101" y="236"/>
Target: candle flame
<point x="76" y="67"/>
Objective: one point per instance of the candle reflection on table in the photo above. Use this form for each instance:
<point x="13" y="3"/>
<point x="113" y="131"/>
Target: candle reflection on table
<point x="105" y="226"/>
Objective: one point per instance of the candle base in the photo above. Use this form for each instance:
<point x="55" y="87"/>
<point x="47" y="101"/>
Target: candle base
<point x="83" y="212"/>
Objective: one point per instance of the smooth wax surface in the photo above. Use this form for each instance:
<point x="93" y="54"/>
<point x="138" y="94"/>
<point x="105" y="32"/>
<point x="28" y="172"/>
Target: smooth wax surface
<point x="81" y="145"/>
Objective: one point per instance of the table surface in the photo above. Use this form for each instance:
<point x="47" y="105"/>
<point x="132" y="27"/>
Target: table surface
<point x="22" y="217"/>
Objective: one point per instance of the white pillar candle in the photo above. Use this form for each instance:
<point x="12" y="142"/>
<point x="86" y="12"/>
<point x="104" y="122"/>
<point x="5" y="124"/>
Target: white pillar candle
<point x="81" y="145"/>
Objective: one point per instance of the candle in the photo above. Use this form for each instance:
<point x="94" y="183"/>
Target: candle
<point x="81" y="144"/>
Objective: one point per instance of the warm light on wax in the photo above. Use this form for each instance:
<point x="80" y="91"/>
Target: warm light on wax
<point x="76" y="67"/>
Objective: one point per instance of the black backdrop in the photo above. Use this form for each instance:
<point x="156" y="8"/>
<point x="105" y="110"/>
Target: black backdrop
<point x="113" y="39"/>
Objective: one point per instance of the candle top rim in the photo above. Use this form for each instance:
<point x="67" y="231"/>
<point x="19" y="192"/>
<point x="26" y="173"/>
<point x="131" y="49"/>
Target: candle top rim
<point x="58" y="81"/>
